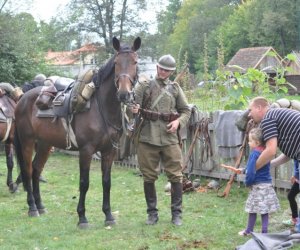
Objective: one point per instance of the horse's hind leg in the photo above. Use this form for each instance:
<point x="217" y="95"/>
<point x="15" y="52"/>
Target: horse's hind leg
<point x="25" y="162"/>
<point x="10" y="165"/>
<point x="38" y="163"/>
<point x="106" y="163"/>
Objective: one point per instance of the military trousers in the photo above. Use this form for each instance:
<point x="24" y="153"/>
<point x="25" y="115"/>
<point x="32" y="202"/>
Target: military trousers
<point x="150" y="157"/>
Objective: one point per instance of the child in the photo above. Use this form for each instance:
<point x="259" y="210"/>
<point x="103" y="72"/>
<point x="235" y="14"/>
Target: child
<point x="262" y="198"/>
<point x="292" y="196"/>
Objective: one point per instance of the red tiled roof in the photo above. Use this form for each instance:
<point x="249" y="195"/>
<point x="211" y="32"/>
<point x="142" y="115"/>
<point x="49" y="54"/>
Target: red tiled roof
<point x="88" y="48"/>
<point x="69" y="57"/>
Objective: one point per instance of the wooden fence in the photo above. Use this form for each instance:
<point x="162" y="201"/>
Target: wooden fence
<point x="221" y="124"/>
<point x="201" y="163"/>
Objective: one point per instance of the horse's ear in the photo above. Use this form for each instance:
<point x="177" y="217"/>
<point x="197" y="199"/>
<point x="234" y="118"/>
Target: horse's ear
<point x="136" y="44"/>
<point x="116" y="43"/>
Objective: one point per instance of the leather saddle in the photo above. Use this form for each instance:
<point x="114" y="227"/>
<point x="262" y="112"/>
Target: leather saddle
<point x="61" y="93"/>
<point x="54" y="99"/>
<point x="7" y="108"/>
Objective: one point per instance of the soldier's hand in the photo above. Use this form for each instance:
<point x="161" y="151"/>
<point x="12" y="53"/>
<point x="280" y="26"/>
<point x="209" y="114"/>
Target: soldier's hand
<point x="134" y="108"/>
<point x="173" y="126"/>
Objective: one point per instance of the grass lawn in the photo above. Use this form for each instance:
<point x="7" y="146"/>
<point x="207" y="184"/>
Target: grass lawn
<point x="209" y="222"/>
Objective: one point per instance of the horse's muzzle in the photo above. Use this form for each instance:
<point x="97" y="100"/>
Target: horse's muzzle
<point x="125" y="96"/>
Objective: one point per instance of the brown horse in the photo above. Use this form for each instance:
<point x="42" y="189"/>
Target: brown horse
<point x="97" y="129"/>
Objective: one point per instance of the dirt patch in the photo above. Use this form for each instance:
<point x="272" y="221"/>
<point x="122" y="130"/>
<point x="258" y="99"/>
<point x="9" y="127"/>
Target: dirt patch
<point x="196" y="244"/>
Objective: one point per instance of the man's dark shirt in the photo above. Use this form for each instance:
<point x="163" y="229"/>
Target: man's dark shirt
<point x="285" y="125"/>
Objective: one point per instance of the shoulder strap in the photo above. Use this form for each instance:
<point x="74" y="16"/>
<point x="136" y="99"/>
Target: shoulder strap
<point x="158" y="98"/>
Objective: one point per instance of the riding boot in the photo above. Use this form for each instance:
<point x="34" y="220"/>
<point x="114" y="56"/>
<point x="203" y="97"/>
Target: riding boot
<point x="151" y="200"/>
<point x="176" y="203"/>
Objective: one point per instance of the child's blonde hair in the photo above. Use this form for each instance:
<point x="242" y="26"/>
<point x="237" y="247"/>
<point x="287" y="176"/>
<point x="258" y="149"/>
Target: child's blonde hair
<point x="256" y="135"/>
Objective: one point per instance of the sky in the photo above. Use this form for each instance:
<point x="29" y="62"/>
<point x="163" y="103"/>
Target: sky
<point x="44" y="10"/>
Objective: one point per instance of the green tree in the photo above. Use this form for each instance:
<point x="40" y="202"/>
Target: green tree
<point x="274" y="22"/>
<point x="107" y="18"/>
<point x="59" y="35"/>
<point x="234" y="31"/>
<point x="166" y="21"/>
<point x="20" y="57"/>
<point x="196" y="18"/>
<point x="262" y="23"/>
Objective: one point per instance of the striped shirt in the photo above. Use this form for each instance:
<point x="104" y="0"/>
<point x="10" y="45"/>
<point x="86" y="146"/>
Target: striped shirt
<point x="285" y="125"/>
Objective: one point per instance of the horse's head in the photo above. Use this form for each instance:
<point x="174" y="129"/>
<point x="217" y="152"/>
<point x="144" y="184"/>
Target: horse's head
<point x="126" y="69"/>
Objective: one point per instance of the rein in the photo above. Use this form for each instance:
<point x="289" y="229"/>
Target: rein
<point x="124" y="120"/>
<point x="124" y="117"/>
<point x="107" y="123"/>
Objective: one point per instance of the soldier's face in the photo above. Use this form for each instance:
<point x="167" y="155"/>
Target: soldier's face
<point x="163" y="73"/>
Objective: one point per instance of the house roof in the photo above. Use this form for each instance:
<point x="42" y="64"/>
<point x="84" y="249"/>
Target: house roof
<point x="91" y="47"/>
<point x="70" y="57"/>
<point x="251" y="58"/>
<point x="61" y="58"/>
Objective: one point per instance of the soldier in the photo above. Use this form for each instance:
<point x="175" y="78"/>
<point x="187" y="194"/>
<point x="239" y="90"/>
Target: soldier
<point x="164" y="109"/>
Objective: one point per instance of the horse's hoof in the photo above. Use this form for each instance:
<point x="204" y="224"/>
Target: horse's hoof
<point x="33" y="213"/>
<point x="42" y="179"/>
<point x="109" y="222"/>
<point x="84" y="225"/>
<point x="42" y="211"/>
<point x="13" y="188"/>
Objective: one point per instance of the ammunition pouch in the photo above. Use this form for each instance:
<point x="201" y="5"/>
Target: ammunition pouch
<point x="154" y="116"/>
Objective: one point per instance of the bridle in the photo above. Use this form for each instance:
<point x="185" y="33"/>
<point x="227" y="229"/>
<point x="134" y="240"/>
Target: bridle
<point x="117" y="77"/>
<point x="132" y="81"/>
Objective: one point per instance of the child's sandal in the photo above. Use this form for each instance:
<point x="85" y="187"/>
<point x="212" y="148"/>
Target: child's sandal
<point x="244" y="233"/>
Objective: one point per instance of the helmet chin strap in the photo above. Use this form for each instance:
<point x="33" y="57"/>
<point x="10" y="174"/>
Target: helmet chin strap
<point x="161" y="78"/>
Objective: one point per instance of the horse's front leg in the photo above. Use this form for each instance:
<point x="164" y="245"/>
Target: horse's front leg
<point x="106" y="163"/>
<point x="85" y="159"/>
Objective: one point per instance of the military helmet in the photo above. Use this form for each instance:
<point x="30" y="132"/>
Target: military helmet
<point x="167" y="62"/>
<point x="40" y="77"/>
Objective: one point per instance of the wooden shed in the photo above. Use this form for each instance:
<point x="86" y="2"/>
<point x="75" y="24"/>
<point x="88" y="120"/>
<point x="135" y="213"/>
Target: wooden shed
<point x="261" y="58"/>
<point x="268" y="60"/>
<point x="293" y="74"/>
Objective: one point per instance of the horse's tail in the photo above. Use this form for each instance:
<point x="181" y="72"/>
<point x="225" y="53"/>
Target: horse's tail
<point x="20" y="159"/>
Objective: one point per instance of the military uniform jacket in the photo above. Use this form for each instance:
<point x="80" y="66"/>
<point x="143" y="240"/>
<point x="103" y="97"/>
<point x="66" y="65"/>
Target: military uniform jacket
<point x="172" y="100"/>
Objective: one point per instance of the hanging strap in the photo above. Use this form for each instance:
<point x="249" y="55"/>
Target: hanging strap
<point x="70" y="137"/>
<point x="8" y="122"/>
<point x="163" y="91"/>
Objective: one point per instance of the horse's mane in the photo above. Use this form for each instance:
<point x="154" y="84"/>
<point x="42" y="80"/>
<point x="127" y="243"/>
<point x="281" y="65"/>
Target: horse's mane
<point x="105" y="71"/>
